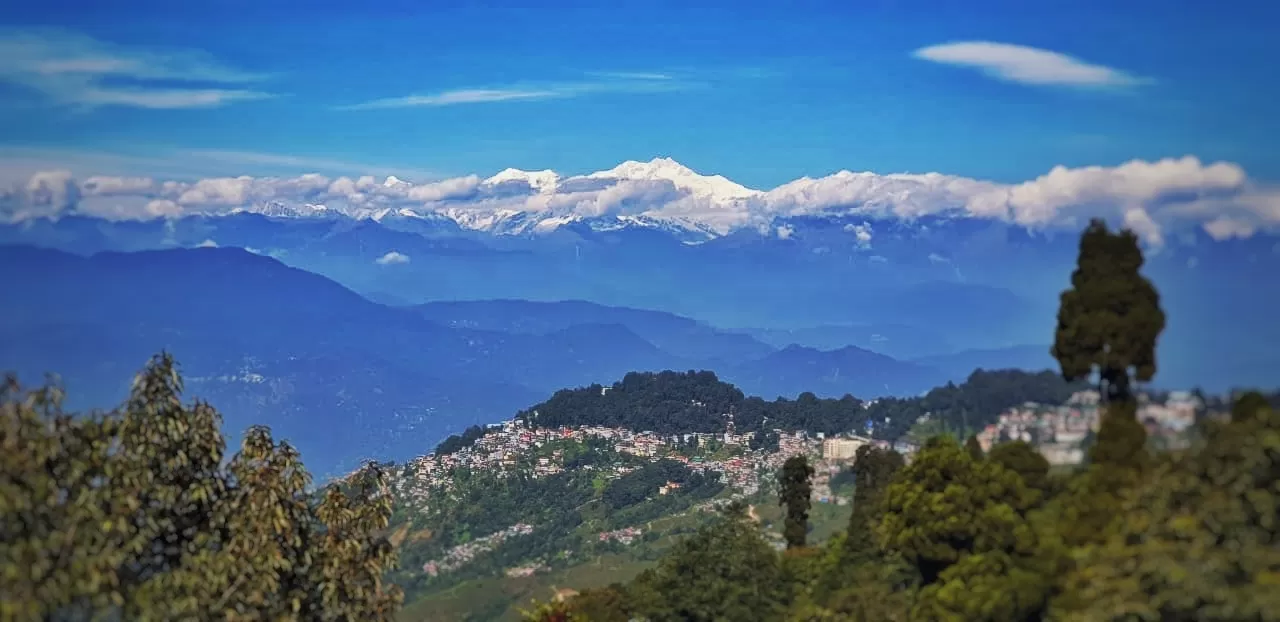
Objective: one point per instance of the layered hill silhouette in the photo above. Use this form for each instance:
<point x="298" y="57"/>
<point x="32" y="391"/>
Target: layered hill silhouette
<point x="345" y="377"/>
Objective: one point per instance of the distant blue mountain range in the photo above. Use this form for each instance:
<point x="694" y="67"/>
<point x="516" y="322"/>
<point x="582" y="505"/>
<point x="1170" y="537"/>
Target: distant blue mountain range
<point x="347" y="378"/>
<point x="467" y="327"/>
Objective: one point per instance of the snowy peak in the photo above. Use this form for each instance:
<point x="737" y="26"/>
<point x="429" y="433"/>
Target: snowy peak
<point x="544" y="181"/>
<point x="395" y="182"/>
<point x="681" y="176"/>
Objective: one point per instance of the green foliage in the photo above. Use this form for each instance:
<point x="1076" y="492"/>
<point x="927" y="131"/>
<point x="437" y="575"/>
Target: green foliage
<point x="1110" y="319"/>
<point x="974" y="448"/>
<point x="1122" y="440"/>
<point x="552" y="612"/>
<point x="644" y="482"/>
<point x="1195" y="540"/>
<point x="984" y="587"/>
<point x="606" y="604"/>
<point x="458" y="442"/>
<point x="133" y="514"/>
<point x="796" y="488"/>
<point x="874" y="468"/>
<point x="1249" y="405"/>
<point x="1023" y="459"/>
<point x="944" y="506"/>
<point x="726" y="571"/>
<point x="681" y="403"/>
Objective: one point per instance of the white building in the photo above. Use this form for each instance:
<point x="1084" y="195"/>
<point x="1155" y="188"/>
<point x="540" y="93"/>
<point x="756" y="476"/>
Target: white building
<point x="837" y="448"/>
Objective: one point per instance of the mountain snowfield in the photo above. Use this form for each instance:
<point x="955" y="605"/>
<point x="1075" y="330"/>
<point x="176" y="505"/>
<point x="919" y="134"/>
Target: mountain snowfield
<point x="1153" y="198"/>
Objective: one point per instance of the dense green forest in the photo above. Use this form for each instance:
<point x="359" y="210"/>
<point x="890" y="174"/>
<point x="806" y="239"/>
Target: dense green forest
<point x="954" y="534"/>
<point x="677" y="403"/>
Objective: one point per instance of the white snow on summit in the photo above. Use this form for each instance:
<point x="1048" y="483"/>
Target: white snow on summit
<point x="681" y="176"/>
<point x="543" y="181"/>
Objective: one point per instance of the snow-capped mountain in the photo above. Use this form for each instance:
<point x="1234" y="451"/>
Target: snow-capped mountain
<point x="1156" y="199"/>
<point x="544" y="181"/>
<point x="714" y="187"/>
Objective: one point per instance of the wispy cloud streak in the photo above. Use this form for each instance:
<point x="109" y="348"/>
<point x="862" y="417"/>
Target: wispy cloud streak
<point x="73" y="69"/>
<point x="614" y="82"/>
<point x="1026" y="65"/>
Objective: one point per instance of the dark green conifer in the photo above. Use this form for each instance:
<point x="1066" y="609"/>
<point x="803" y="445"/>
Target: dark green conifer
<point x="795" y="489"/>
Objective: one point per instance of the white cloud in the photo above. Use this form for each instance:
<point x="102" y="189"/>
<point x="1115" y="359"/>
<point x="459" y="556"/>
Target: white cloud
<point x="461" y="96"/>
<point x="392" y="258"/>
<point x="604" y="82"/>
<point x="1224" y="228"/>
<point x="207" y="244"/>
<point x="785" y="232"/>
<point x="861" y="232"/>
<point x="73" y="69"/>
<point x="103" y="185"/>
<point x="1139" y="221"/>
<point x="163" y="208"/>
<point x="1026" y="65"/>
<point x="1156" y="199"/>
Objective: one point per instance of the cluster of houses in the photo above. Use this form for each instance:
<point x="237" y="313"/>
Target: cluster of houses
<point x="526" y="571"/>
<point x="463" y="554"/>
<point x="507" y="443"/>
<point x="626" y="535"/>
<point x="1058" y="431"/>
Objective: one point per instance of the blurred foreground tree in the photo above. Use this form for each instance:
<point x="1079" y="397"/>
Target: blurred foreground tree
<point x="1199" y="539"/>
<point x="873" y="469"/>
<point x="726" y="571"/>
<point x="964" y="525"/>
<point x="1022" y="458"/>
<point x="974" y="448"/>
<point x="1108" y="324"/>
<point x="795" y="490"/>
<point x="132" y="514"/>
<point x="1110" y="319"/>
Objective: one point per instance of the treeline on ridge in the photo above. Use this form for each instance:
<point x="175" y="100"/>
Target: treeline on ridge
<point x="697" y="401"/>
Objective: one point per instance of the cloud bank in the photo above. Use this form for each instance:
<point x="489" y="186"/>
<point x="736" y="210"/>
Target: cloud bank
<point x="73" y="69"/>
<point x="1025" y="65"/>
<point x="1153" y="198"/>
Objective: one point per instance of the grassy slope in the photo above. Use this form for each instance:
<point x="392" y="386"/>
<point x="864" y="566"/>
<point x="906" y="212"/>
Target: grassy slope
<point x="501" y="598"/>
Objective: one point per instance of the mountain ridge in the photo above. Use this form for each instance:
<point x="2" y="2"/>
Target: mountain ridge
<point x="279" y="344"/>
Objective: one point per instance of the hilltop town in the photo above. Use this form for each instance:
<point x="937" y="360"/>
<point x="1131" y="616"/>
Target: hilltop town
<point x="1058" y="431"/>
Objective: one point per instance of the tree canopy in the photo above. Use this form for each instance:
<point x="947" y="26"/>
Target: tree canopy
<point x="1110" y="318"/>
<point x="135" y="514"/>
<point x="794" y="482"/>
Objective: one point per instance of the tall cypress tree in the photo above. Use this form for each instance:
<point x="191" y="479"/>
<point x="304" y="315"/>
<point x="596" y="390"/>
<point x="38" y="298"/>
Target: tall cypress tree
<point x="1110" y="318"/>
<point x="795" y="489"/>
<point x="1108" y="323"/>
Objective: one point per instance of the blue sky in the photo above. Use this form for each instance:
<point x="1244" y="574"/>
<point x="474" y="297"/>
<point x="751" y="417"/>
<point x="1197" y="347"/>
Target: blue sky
<point x="761" y="93"/>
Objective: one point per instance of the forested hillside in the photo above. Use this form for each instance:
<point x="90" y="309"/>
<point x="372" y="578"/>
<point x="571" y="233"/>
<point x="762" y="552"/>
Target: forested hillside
<point x="677" y="403"/>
